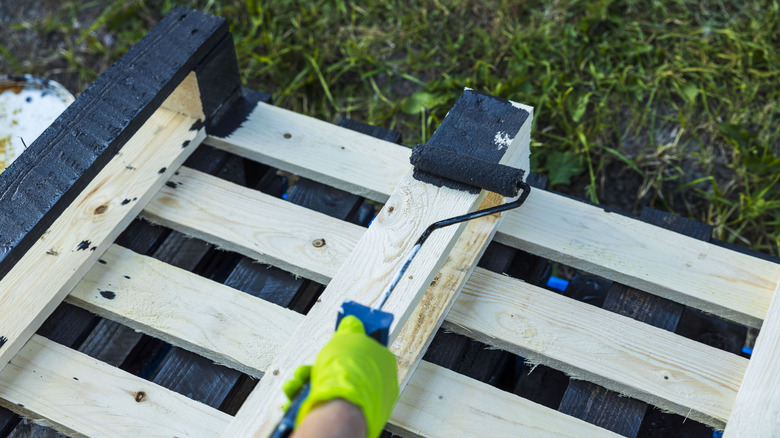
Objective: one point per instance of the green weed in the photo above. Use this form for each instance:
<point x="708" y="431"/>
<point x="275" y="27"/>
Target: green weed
<point x="681" y="94"/>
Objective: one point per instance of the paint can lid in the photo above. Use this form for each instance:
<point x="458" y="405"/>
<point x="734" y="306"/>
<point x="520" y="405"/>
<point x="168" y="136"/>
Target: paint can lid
<point x="28" y="105"/>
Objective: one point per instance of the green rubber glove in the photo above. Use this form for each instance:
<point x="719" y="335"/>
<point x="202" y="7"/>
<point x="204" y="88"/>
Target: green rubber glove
<point x="353" y="367"/>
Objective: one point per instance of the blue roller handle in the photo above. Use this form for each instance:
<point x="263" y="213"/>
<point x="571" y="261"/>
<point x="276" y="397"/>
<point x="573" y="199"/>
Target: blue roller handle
<point x="377" y="325"/>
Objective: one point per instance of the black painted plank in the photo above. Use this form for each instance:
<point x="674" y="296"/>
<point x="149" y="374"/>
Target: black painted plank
<point x="540" y="384"/>
<point x="497" y="257"/>
<point x="374" y="131"/>
<point x="40" y="184"/>
<point x="679" y="224"/>
<point x="144" y="359"/>
<point x="650" y="309"/>
<point x="621" y="418"/>
<point x="110" y="342"/>
<point x="8" y="421"/>
<point x="142" y="237"/>
<point x="68" y="325"/>
<point x="181" y="251"/>
<point x="196" y="377"/>
<point x="238" y="112"/>
<point x="445" y="349"/>
<point x="30" y="429"/>
<point x="712" y="330"/>
<point x="324" y="199"/>
<point x="238" y="394"/>
<point x="658" y="424"/>
<point x="266" y="282"/>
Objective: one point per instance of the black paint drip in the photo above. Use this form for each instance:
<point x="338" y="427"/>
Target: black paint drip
<point x="84" y="245"/>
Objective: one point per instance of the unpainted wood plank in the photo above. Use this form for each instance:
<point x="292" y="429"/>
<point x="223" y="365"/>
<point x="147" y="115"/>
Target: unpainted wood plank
<point x="633" y="358"/>
<point x="310" y="142"/>
<point x="427" y="317"/>
<point x="758" y="401"/>
<point x="55" y="263"/>
<point x="699" y="274"/>
<point x="381" y="251"/>
<point x="196" y="377"/>
<point x="440" y="402"/>
<point x="196" y="204"/>
<point x="643" y="256"/>
<point x="126" y="289"/>
<point x="81" y="396"/>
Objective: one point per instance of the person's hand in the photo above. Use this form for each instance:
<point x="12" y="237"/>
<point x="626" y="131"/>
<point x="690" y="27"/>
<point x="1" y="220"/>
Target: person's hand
<point x="353" y="367"/>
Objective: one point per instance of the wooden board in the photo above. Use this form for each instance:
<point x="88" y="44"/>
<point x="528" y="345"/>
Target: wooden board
<point x="318" y="239"/>
<point x="81" y="396"/>
<point x="74" y="241"/>
<point x="381" y="250"/>
<point x="758" y="401"/>
<point x="703" y="275"/>
<point x="415" y="336"/>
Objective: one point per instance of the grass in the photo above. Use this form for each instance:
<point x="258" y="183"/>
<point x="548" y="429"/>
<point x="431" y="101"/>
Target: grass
<point x="669" y="104"/>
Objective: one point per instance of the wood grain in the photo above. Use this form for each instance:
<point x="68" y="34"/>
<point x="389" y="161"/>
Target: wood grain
<point x="81" y="396"/>
<point x="624" y="355"/>
<point x="703" y="275"/>
<point x="755" y="412"/>
<point x="56" y="262"/>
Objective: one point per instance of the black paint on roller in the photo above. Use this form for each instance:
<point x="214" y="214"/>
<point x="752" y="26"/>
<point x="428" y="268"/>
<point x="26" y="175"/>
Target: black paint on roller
<point x="432" y="162"/>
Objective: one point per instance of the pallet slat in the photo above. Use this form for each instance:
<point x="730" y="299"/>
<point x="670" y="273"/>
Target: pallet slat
<point x="82" y="396"/>
<point x="638" y="360"/>
<point x="264" y="240"/>
<point x="755" y="410"/>
<point x="703" y="275"/>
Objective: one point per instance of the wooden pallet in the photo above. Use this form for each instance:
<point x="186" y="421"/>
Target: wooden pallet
<point x="117" y="153"/>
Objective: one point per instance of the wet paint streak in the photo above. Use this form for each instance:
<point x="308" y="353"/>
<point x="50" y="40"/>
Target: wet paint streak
<point x="84" y="245"/>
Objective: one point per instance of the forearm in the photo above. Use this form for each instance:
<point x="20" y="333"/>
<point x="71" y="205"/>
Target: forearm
<point x="336" y="418"/>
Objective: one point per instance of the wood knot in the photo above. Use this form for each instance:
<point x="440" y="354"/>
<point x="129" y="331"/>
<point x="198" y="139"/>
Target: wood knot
<point x="287" y="135"/>
<point x="139" y="396"/>
<point x="390" y="209"/>
<point x="102" y="209"/>
<point x="318" y="243"/>
<point x="275" y="373"/>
